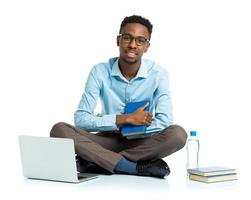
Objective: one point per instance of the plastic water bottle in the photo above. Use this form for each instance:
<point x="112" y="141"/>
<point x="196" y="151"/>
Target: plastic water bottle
<point x="193" y="147"/>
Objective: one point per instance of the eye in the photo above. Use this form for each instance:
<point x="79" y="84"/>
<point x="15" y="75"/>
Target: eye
<point x="140" y="40"/>
<point x="126" y="38"/>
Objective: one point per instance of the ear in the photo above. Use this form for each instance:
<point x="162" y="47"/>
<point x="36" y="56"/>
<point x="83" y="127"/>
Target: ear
<point x="147" y="46"/>
<point x="118" y="41"/>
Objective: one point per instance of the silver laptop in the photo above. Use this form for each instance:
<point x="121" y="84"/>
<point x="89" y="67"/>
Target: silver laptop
<point x="50" y="159"/>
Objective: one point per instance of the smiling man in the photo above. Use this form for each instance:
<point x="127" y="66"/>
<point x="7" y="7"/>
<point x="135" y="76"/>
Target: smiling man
<point x="124" y="79"/>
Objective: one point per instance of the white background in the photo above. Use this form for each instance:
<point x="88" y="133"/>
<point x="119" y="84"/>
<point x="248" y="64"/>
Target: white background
<point x="48" y="47"/>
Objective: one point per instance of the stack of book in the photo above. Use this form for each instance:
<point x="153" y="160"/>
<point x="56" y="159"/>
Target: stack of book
<point x="212" y="174"/>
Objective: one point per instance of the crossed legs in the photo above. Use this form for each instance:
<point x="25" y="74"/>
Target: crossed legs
<point x="107" y="149"/>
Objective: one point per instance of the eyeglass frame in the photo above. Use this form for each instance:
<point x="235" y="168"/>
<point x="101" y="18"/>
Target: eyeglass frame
<point x="134" y="38"/>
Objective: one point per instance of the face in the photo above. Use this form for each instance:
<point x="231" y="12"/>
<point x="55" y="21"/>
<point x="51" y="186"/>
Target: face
<point x="133" y="42"/>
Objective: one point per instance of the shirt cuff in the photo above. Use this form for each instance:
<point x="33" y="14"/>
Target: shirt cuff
<point x="107" y="122"/>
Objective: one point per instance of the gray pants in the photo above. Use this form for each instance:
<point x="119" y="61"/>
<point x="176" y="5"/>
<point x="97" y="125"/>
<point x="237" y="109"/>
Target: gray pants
<point x="106" y="149"/>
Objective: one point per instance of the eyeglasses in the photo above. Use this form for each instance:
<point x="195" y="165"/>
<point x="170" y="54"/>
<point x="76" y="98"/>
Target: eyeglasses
<point x="127" y="38"/>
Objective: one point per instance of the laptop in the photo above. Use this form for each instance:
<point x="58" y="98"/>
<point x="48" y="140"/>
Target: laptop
<point x="50" y="159"/>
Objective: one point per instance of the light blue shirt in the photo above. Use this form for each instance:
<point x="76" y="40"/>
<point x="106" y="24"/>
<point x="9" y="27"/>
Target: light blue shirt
<point x="106" y="82"/>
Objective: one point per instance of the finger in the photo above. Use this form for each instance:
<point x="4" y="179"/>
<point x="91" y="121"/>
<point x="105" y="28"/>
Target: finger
<point x="150" y="114"/>
<point x="149" y="117"/>
<point x="144" y="106"/>
<point x="149" y="120"/>
<point x="145" y="119"/>
<point x="148" y="123"/>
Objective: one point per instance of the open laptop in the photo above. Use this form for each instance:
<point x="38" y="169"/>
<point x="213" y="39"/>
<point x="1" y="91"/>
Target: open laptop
<point x="50" y="159"/>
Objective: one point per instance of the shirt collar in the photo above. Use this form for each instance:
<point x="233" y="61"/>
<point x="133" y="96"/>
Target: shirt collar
<point x="142" y="73"/>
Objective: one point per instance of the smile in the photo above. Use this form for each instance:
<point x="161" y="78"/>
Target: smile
<point x="131" y="54"/>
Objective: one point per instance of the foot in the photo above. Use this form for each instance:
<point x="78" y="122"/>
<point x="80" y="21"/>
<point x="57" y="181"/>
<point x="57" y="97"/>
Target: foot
<point x="81" y="165"/>
<point x="84" y="166"/>
<point x="95" y="169"/>
<point x="156" y="168"/>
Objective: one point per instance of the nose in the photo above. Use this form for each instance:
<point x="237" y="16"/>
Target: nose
<point x="132" y="43"/>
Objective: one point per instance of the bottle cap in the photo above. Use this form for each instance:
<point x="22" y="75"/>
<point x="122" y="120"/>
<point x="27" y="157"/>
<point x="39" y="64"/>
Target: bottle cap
<point x="193" y="133"/>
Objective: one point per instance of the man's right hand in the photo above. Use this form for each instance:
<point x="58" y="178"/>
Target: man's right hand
<point x="139" y="117"/>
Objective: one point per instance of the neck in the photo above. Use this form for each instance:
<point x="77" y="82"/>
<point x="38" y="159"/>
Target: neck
<point x="129" y="70"/>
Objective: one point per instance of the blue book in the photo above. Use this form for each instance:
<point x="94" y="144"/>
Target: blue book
<point x="129" y="129"/>
<point x="211" y="171"/>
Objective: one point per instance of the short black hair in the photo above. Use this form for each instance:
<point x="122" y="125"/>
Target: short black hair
<point x="137" y="19"/>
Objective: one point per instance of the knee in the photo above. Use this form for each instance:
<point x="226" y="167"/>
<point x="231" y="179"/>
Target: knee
<point x="57" y="129"/>
<point x="180" y="136"/>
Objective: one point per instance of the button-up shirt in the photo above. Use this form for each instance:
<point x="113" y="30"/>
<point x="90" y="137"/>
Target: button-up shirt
<point x="106" y="82"/>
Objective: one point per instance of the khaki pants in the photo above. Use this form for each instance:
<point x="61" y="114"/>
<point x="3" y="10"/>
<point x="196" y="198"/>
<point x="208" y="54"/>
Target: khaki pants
<point x="106" y="149"/>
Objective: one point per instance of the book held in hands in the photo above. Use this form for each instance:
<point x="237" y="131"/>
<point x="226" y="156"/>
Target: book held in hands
<point x="212" y="174"/>
<point x="129" y="129"/>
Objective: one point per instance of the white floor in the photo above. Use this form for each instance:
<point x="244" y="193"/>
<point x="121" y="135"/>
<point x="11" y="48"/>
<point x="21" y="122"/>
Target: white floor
<point x="174" y="186"/>
<point x="123" y="187"/>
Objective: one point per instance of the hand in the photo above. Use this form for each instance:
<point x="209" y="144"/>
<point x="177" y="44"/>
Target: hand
<point x="141" y="117"/>
<point x="115" y="132"/>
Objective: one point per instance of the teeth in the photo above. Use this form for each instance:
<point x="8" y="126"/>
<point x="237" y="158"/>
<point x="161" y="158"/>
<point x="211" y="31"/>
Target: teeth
<point x="131" y="54"/>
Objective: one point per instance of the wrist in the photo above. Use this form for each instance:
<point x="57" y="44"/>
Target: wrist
<point x="123" y="119"/>
<point x="128" y="119"/>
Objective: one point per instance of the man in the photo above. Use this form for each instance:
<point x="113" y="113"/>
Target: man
<point x="128" y="78"/>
